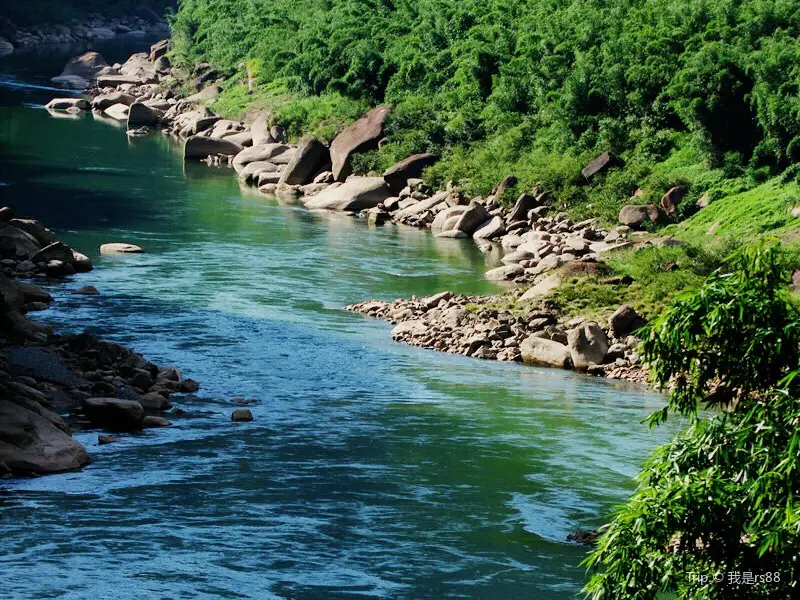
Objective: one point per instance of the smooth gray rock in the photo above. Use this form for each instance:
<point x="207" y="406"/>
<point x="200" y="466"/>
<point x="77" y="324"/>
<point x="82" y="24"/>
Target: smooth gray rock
<point x="544" y="352"/>
<point x="357" y="193"/>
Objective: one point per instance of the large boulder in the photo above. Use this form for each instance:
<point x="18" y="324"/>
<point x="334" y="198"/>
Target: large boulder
<point x="492" y="228"/>
<point x="361" y="136"/>
<point x="104" y="101"/>
<point x="636" y="215"/>
<point x="71" y="82"/>
<point x="357" y="193"/>
<point x="588" y="345"/>
<point x="311" y="155"/>
<point x="17" y="243"/>
<point x="114" y="414"/>
<point x="112" y="248"/>
<point x="525" y="202"/>
<point x="446" y="217"/>
<point x="625" y="321"/>
<point x="65" y="103"/>
<point x="139" y="67"/>
<point x="269" y="152"/>
<point x="33" y="441"/>
<point x="141" y="115"/>
<point x="86" y="66"/>
<point x="398" y="175"/>
<point x="544" y="352"/>
<point x="200" y="147"/>
<point x="55" y="251"/>
<point x="472" y="218"/>
<point x="43" y="236"/>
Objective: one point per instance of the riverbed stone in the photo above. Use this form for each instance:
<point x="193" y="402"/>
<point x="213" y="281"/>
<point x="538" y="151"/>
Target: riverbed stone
<point x="114" y="414"/>
<point x="474" y="216"/>
<point x="67" y="103"/>
<point x="120" y="248"/>
<point x="264" y="152"/>
<point x="504" y="273"/>
<point x="588" y="345"/>
<point x="155" y="421"/>
<point x="544" y="352"/>
<point x="494" y="227"/>
<point x="311" y="156"/>
<point x="142" y="115"/>
<point x="397" y="175"/>
<point x="356" y="194"/>
<point x="104" y="101"/>
<point x="118" y="111"/>
<point x="242" y="415"/>
<point x="200" y="147"/>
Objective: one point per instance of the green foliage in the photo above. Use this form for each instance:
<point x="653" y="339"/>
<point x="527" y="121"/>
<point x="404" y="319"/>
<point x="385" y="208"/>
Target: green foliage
<point x="536" y="89"/>
<point x="721" y="499"/>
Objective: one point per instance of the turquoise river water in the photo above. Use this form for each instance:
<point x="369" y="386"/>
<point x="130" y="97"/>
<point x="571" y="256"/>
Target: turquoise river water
<point x="371" y="469"/>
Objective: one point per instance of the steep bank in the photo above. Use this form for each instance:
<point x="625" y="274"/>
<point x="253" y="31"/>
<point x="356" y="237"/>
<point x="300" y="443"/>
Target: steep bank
<point x="44" y="375"/>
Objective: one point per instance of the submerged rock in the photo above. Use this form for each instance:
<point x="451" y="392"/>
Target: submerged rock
<point x="242" y="414"/>
<point x="120" y="248"/>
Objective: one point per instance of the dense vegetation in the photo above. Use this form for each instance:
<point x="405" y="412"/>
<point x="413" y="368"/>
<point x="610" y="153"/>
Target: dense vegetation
<point x="717" y="514"/>
<point x="704" y="93"/>
<point x="35" y="12"/>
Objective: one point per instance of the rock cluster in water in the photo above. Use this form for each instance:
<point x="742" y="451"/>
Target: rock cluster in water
<point x="475" y="326"/>
<point x="43" y="374"/>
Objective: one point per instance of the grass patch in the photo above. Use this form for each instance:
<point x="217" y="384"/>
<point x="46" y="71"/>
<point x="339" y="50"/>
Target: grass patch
<point x="746" y="215"/>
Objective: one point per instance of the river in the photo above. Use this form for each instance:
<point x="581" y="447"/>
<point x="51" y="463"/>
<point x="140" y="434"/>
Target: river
<point x="372" y="469"/>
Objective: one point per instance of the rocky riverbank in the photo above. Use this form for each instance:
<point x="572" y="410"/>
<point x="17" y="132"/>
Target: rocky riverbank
<point x="533" y="244"/>
<point x="95" y="27"/>
<point x="50" y="381"/>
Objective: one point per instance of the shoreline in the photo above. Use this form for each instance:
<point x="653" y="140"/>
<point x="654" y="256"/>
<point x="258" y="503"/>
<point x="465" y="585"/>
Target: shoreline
<point x="101" y="385"/>
<point x="537" y="245"/>
<point x="94" y="28"/>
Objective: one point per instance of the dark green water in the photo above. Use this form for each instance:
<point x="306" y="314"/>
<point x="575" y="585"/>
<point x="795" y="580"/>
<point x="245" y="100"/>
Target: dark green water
<point x="371" y="470"/>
